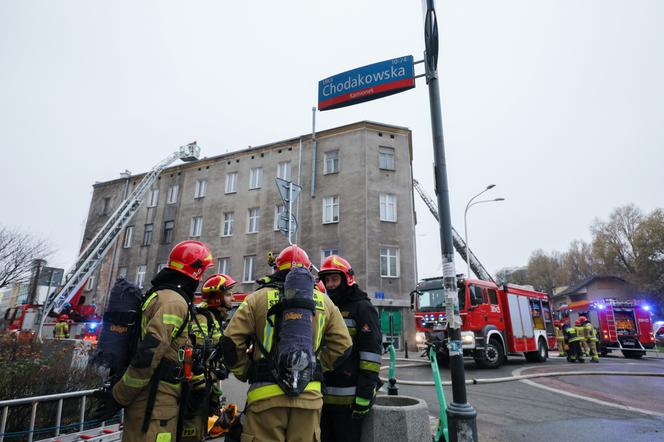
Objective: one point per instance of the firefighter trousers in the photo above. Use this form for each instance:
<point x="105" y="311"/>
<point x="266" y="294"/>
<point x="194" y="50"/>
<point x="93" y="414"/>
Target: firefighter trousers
<point x="281" y="424"/>
<point x="162" y="428"/>
<point x="592" y="346"/>
<point x="560" y="343"/>
<point x="339" y="426"/>
<point x="584" y="347"/>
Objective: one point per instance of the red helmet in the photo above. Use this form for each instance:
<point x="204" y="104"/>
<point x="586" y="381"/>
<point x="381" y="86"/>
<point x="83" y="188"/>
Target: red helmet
<point x="292" y="255"/>
<point x="582" y="319"/>
<point x="336" y="264"/>
<point x="191" y="258"/>
<point x="577" y="322"/>
<point x="63" y="317"/>
<point x="321" y="287"/>
<point x="217" y="283"/>
<point x="556" y="323"/>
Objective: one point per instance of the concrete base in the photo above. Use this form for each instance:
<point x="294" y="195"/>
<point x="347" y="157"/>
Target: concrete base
<point x="397" y="418"/>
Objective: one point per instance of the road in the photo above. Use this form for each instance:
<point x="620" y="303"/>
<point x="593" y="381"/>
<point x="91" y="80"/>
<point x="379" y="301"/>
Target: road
<point x="601" y="408"/>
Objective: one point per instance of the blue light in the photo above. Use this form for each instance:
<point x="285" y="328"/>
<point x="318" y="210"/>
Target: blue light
<point x="92" y="325"/>
<point x="601" y="306"/>
<point x="646" y="308"/>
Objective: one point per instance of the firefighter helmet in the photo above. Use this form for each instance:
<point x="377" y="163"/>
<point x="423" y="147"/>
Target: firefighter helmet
<point x="577" y="322"/>
<point x="336" y="264"/>
<point x="292" y="256"/>
<point x="214" y="287"/>
<point x="63" y="317"/>
<point x="582" y="319"/>
<point x="556" y="323"/>
<point x="191" y="258"/>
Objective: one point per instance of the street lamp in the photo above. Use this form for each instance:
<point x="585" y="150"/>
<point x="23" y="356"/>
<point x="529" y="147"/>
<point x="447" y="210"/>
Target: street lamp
<point x="465" y="224"/>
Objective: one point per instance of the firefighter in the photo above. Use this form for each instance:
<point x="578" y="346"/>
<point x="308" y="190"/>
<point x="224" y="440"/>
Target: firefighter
<point x="573" y="343"/>
<point x="271" y="415"/>
<point x="560" y="338"/>
<point x="205" y="333"/>
<point x="61" y="329"/>
<point x="152" y="386"/>
<point x="349" y="391"/>
<point x="581" y="333"/>
<point x="591" y="338"/>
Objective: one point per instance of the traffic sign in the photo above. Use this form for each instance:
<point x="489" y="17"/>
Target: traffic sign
<point x="284" y="190"/>
<point x="282" y="223"/>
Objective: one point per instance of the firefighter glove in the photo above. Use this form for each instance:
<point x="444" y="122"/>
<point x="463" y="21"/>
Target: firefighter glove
<point x="107" y="407"/>
<point x="361" y="408"/>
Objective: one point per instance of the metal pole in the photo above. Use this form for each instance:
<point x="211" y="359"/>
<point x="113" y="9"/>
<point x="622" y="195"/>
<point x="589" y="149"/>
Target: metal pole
<point x="461" y="415"/>
<point x="3" y="423"/>
<point x="58" y="418"/>
<point x="465" y="226"/>
<point x="290" y="212"/>
<point x="299" y="183"/>
<point x="82" y="426"/>
<point x="313" y="152"/>
<point x="33" y="417"/>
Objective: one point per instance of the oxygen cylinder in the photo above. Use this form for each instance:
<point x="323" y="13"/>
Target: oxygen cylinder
<point x="295" y="358"/>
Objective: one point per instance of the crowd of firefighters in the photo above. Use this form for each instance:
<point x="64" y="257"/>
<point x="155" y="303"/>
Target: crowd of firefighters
<point x="577" y="342"/>
<point x="346" y="339"/>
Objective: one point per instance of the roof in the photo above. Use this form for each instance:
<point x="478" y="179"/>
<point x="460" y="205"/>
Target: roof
<point x="586" y="282"/>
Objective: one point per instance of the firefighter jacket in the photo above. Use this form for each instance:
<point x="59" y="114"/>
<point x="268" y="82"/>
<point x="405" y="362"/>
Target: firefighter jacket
<point x="61" y="330"/>
<point x="330" y="339"/>
<point x="559" y="334"/>
<point x="356" y="380"/>
<point x="571" y="334"/>
<point x="589" y="331"/>
<point x="204" y="333"/>
<point x="580" y="332"/>
<point x="164" y="313"/>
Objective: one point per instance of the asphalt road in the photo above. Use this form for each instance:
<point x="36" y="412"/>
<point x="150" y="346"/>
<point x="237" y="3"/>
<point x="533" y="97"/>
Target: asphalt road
<point x="601" y="408"/>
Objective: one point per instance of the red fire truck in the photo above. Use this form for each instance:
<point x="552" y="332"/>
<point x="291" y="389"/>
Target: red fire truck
<point x="497" y="321"/>
<point x="621" y="325"/>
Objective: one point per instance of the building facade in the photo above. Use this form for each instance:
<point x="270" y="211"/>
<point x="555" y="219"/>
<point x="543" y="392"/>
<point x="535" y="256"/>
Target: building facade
<point x="359" y="205"/>
<point x="596" y="288"/>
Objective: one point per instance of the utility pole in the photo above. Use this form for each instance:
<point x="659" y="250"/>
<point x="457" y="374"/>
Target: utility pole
<point x="461" y="415"/>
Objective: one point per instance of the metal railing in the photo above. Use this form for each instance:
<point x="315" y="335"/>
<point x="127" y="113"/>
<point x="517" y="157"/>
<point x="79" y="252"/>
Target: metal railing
<point x="35" y="401"/>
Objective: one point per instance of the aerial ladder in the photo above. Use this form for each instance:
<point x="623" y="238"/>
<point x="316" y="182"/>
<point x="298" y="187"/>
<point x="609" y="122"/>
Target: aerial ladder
<point x="94" y="252"/>
<point x="459" y="244"/>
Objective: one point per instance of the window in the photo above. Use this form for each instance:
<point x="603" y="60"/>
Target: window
<point x="476" y="297"/>
<point x="154" y="198"/>
<point x="196" y="226"/>
<point x="229" y="223"/>
<point x="388" y="207"/>
<point x="249" y="268"/>
<point x="129" y="232"/>
<point x="330" y="209"/>
<point x="168" y="231"/>
<point x="172" y="196"/>
<point x="254" y="220"/>
<point x="389" y="262"/>
<point x="493" y="297"/>
<point x="231" y="182"/>
<point x="255" y="177"/>
<point x="122" y="272"/>
<point x="324" y="253"/>
<point x="147" y="235"/>
<point x="284" y="170"/>
<point x="105" y="205"/>
<point x="91" y="284"/>
<point x="224" y="265"/>
<point x="386" y="158"/>
<point x="140" y="275"/>
<point x="331" y="160"/>
<point x="201" y="187"/>
<point x="279" y="210"/>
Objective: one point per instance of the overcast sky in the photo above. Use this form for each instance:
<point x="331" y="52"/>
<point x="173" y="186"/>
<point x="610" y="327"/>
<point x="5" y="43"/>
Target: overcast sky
<point x="558" y="103"/>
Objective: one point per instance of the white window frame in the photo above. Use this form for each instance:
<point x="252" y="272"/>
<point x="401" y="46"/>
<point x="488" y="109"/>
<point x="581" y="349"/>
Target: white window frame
<point x="90" y="284"/>
<point x="249" y="270"/>
<point x="147" y="231"/>
<point x="385" y="152"/>
<point x="224" y="265"/>
<point x="389" y="253"/>
<point x="284" y="170"/>
<point x="231" y="182"/>
<point x="331" y="162"/>
<point x="255" y="178"/>
<point x="166" y="240"/>
<point x="331" y="209"/>
<point x="172" y="196"/>
<point x="129" y="233"/>
<point x="278" y="210"/>
<point x="228" y="224"/>
<point x="328" y="251"/>
<point x="154" y="198"/>
<point x="140" y="275"/>
<point x="388" y="207"/>
<point x="122" y="272"/>
<point x="201" y="188"/>
<point x="196" y="226"/>
<point x="253" y="219"/>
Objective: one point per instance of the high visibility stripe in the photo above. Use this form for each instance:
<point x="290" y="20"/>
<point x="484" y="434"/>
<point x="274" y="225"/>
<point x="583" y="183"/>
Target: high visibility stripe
<point x="163" y="437"/>
<point x="319" y="300"/>
<point x="350" y="322"/>
<point x="370" y="366"/>
<point x="177" y="265"/>
<point x="272" y="390"/>
<point x="352" y="331"/>
<point x="148" y="301"/>
<point x="134" y="382"/>
<point x="319" y="332"/>
<point x="370" y="356"/>
<point x="362" y="401"/>
<point x="338" y="400"/>
<point x="339" y="391"/>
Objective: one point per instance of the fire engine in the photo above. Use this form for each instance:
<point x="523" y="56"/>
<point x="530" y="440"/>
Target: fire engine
<point x="497" y="321"/>
<point x="622" y="325"/>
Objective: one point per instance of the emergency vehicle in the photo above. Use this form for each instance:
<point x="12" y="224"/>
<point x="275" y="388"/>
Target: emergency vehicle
<point x="621" y="325"/>
<point x="497" y="321"/>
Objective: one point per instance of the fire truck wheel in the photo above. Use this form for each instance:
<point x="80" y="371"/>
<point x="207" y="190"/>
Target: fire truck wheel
<point x="633" y="354"/>
<point x="493" y="355"/>
<point x="540" y="355"/>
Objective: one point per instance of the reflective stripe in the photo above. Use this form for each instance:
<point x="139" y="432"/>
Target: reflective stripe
<point x="267" y="335"/>
<point x="352" y="331"/>
<point x="173" y="320"/>
<point x="177" y="265"/>
<point x="350" y="322"/>
<point x="338" y="400"/>
<point x="319" y="300"/>
<point x="134" y="382"/>
<point x="370" y="356"/>
<point x="163" y="437"/>
<point x="148" y="301"/>
<point x="362" y="401"/>
<point x="272" y="390"/>
<point x="319" y="332"/>
<point x="340" y="391"/>
<point x="370" y="366"/>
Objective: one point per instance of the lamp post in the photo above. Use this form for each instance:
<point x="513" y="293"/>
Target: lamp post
<point x="465" y="224"/>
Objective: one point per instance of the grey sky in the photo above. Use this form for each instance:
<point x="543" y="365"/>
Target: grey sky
<point x="558" y="103"/>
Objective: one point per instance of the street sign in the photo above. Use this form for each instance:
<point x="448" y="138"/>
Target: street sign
<point x="284" y="190"/>
<point x="51" y="276"/>
<point x="366" y="83"/>
<point x="282" y="223"/>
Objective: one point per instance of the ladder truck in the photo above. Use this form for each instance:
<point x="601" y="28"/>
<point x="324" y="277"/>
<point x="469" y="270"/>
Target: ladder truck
<point x="96" y="250"/>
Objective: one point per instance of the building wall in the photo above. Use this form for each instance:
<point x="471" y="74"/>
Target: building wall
<point x="358" y="235"/>
<point x="598" y="290"/>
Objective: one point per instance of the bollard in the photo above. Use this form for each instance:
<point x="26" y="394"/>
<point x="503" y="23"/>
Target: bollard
<point x="392" y="389"/>
<point x="397" y="419"/>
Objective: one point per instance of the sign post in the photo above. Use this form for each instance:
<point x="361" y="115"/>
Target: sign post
<point x="287" y="223"/>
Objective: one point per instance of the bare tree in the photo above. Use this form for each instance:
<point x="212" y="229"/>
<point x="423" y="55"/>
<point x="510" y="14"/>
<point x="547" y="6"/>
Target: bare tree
<point x="17" y="251"/>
